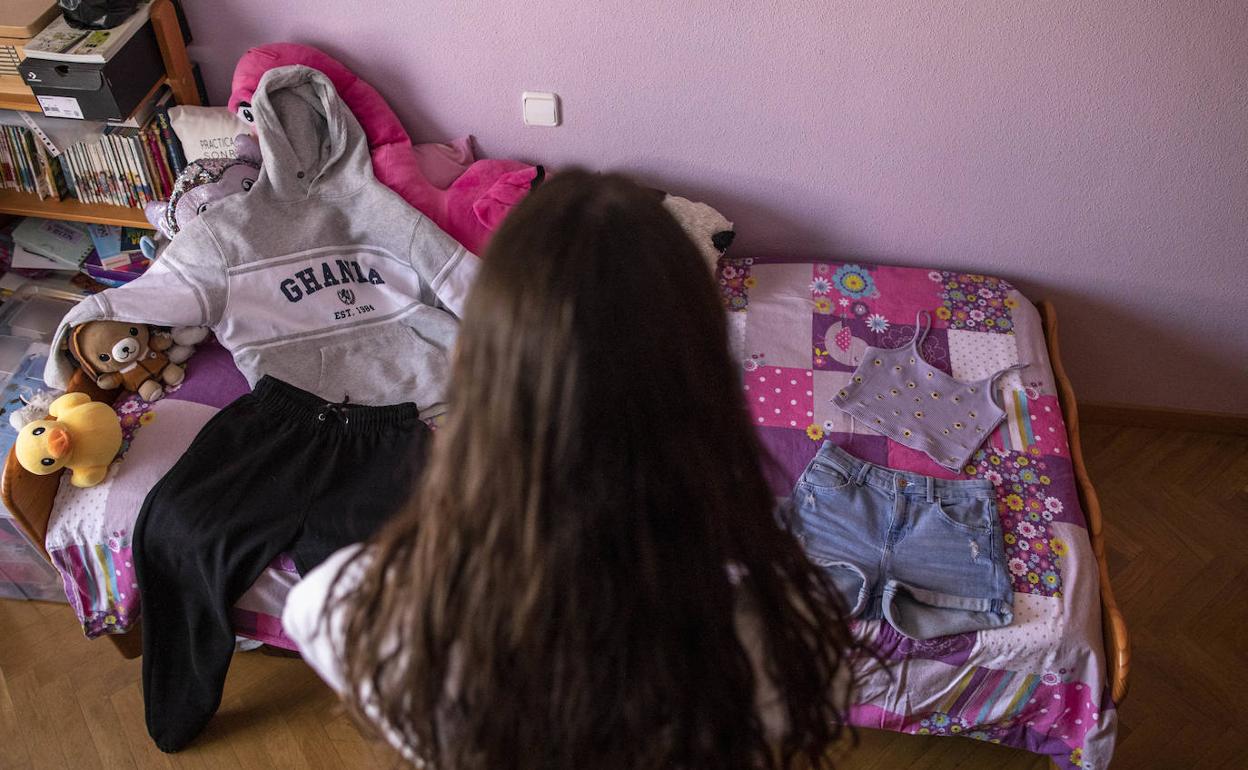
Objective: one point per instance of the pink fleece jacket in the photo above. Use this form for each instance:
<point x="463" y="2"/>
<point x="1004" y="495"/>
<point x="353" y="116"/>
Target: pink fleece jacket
<point x="469" y="208"/>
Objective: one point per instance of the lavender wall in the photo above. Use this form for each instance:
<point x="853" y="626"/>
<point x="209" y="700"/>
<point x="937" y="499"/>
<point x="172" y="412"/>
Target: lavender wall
<point x="1093" y="152"/>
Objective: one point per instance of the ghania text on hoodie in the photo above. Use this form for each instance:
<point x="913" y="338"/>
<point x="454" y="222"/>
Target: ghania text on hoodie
<point x="319" y="275"/>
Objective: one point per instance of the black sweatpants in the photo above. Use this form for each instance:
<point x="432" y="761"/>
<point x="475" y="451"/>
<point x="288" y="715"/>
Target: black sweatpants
<point x="277" y="470"/>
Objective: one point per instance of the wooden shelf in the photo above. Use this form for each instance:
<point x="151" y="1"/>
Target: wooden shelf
<point x="12" y="99"/>
<point x="71" y="209"/>
<point x="181" y="80"/>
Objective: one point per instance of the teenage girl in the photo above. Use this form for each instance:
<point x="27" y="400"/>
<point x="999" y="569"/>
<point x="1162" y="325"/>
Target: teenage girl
<point x="592" y="573"/>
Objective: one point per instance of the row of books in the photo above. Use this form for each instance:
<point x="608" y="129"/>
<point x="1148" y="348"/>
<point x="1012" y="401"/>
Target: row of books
<point x="25" y="164"/>
<point x="127" y="164"/>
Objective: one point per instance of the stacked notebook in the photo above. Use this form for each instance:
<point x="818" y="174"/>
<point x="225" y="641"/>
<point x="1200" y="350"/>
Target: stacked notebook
<point x="109" y="255"/>
<point x="117" y="258"/>
<point x="50" y="244"/>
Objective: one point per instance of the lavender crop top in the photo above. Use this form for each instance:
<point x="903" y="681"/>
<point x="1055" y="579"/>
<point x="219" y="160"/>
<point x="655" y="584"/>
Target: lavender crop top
<point x="895" y="392"/>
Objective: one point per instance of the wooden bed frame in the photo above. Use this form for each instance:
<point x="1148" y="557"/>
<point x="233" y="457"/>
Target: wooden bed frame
<point x="1113" y="625"/>
<point x="29" y="498"/>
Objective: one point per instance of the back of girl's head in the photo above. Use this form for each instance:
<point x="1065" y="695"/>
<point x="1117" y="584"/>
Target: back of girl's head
<point x="595" y="484"/>
<point x="593" y="352"/>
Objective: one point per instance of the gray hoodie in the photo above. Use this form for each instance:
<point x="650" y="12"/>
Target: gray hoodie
<point x="319" y="276"/>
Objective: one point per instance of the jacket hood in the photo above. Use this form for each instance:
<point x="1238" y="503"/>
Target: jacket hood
<point x="311" y="143"/>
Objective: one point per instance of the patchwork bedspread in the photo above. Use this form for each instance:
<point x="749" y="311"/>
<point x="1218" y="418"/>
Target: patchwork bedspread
<point x="799" y="329"/>
<point x="89" y="529"/>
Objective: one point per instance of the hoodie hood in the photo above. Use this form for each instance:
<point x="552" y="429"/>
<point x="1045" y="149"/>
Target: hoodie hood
<point x="319" y="276"/>
<point x="311" y="143"/>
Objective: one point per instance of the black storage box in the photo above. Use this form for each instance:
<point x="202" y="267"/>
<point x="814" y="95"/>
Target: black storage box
<point x="108" y="91"/>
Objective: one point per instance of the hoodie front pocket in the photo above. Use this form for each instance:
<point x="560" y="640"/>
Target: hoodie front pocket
<point x="381" y="367"/>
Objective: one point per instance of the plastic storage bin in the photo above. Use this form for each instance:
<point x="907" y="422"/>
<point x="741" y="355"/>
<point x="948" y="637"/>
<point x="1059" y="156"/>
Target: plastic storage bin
<point x="24" y="574"/>
<point x="34" y="312"/>
<point x="27" y="321"/>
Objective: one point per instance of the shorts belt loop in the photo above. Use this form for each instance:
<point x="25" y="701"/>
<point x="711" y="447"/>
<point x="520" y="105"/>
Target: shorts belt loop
<point x="931" y="489"/>
<point x="860" y="477"/>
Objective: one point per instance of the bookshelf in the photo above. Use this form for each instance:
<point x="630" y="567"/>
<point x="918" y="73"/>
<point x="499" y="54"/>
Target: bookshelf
<point x="24" y="101"/>
<point x="181" y="80"/>
<point x="71" y="209"/>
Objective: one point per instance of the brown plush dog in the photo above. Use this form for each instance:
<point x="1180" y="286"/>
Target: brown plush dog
<point x="117" y="353"/>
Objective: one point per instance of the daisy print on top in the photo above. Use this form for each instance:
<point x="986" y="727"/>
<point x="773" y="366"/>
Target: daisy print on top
<point x="897" y="393"/>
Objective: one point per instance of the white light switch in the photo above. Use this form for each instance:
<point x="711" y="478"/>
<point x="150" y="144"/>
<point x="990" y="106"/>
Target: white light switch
<point x="541" y="108"/>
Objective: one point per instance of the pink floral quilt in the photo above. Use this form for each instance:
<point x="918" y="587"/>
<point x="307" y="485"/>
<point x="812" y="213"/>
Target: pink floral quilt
<point x="799" y="330"/>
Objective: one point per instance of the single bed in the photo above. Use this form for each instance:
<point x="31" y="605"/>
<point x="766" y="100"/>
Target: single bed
<point x="1048" y="683"/>
<point x="86" y="532"/>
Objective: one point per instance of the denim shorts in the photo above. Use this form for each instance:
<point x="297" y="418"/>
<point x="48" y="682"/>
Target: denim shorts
<point x="923" y="554"/>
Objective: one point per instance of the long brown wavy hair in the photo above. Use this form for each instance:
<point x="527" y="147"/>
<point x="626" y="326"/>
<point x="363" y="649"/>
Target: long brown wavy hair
<point x="564" y="590"/>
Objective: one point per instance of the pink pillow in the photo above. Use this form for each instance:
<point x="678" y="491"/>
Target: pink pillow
<point x="443" y="162"/>
<point x="468" y="206"/>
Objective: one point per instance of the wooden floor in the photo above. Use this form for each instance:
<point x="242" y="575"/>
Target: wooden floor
<point x="1176" y="506"/>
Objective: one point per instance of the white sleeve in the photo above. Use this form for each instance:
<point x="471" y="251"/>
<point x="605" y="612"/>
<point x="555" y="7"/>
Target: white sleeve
<point x="448" y="267"/>
<point x="186" y="286"/>
<point x="320" y="638"/>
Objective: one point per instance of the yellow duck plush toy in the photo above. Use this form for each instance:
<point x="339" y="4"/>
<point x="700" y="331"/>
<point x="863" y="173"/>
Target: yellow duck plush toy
<point x="80" y="434"/>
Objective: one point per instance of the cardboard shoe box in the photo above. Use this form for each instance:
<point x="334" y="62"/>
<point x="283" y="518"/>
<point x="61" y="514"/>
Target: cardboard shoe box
<point x="98" y="91"/>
